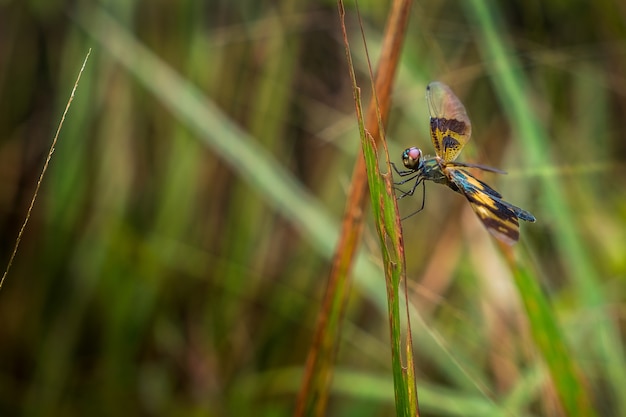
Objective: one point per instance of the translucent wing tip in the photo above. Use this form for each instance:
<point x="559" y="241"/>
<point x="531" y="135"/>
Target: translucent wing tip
<point x="503" y="237"/>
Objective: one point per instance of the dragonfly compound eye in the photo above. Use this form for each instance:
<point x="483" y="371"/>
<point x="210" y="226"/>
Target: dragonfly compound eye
<point x="411" y="158"/>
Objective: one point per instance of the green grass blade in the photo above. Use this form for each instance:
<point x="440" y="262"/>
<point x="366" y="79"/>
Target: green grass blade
<point x="550" y="341"/>
<point x="388" y="228"/>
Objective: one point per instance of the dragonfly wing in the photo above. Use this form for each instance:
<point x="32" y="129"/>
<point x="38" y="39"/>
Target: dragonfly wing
<point x="450" y="127"/>
<point x="498" y="216"/>
<point x="478" y="166"/>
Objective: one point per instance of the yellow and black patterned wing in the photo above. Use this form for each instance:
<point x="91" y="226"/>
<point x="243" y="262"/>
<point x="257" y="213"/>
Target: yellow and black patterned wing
<point x="450" y="128"/>
<point x="498" y="216"/>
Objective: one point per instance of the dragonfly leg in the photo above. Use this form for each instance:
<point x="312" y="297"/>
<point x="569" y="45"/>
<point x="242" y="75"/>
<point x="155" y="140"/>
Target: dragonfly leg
<point x="423" y="200"/>
<point x="418" y="181"/>
<point x="402" y="173"/>
<point x="411" y="174"/>
<point x="411" y="178"/>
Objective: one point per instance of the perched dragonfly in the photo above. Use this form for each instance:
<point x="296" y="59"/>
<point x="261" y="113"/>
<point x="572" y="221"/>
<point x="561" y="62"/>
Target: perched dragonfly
<point x="450" y="130"/>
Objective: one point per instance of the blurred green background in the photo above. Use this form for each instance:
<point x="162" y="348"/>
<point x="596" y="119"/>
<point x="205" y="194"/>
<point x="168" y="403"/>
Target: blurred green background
<point x="177" y="254"/>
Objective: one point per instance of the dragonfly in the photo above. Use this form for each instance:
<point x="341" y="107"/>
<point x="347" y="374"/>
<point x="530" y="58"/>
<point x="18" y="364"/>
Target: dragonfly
<point x="450" y="130"/>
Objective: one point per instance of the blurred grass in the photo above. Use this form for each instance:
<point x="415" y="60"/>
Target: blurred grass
<point x="175" y="260"/>
<point x="512" y="88"/>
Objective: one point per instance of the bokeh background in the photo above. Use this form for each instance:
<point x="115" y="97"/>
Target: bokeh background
<point x="178" y="251"/>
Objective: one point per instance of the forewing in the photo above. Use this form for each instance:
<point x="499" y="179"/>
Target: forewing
<point x="498" y="216"/>
<point x="450" y="128"/>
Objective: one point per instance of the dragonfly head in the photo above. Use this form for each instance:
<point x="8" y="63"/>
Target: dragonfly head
<point x="412" y="158"/>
